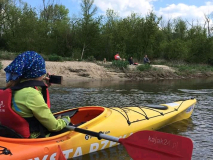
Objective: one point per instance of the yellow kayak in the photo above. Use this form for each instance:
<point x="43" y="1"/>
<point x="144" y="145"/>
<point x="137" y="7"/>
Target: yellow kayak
<point x="119" y="122"/>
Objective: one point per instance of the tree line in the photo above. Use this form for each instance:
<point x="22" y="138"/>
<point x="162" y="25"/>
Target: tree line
<point x="51" y="31"/>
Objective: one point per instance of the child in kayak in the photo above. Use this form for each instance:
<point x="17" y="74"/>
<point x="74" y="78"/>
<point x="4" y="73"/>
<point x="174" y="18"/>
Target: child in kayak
<point x="30" y="98"/>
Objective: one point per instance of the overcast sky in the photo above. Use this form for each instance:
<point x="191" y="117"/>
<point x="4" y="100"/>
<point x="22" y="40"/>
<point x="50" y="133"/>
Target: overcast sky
<point x="186" y="9"/>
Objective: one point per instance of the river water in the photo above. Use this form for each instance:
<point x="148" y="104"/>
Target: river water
<point x="199" y="127"/>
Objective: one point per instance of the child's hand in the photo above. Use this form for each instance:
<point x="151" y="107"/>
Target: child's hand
<point x="47" y="79"/>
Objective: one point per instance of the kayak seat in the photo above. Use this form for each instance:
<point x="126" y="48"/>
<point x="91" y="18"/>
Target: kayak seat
<point x="156" y="106"/>
<point x="9" y="133"/>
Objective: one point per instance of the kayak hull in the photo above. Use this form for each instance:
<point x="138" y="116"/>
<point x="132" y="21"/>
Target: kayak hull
<point x="114" y="121"/>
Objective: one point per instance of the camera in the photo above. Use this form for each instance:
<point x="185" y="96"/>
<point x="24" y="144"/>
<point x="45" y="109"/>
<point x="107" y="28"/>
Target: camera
<point x="55" y="79"/>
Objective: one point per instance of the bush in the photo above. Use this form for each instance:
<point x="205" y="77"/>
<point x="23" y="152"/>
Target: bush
<point x="91" y="59"/>
<point x="144" y="67"/>
<point x="120" y="64"/>
<point x="68" y="59"/>
<point x="55" y="58"/>
<point x="8" y="55"/>
<point x="1" y="66"/>
<point x="159" y="62"/>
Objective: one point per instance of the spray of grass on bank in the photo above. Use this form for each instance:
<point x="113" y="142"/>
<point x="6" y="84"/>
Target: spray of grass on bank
<point x="7" y="55"/>
<point x="185" y="68"/>
<point x="144" y="67"/>
<point x="194" y="68"/>
<point x="120" y="64"/>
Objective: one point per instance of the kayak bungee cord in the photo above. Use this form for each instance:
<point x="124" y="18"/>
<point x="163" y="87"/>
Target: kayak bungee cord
<point x="153" y="110"/>
<point x="127" y="117"/>
<point x="125" y="110"/>
<point x="139" y="112"/>
<point x="179" y="105"/>
<point x="5" y="151"/>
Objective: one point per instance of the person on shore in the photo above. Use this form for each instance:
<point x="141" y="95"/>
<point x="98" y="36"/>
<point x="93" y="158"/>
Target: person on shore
<point x="117" y="56"/>
<point x="104" y="61"/>
<point x="146" y="60"/>
<point x="131" y="61"/>
<point x="28" y="109"/>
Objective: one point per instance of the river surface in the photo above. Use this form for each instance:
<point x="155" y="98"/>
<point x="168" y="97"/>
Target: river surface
<point x="199" y="127"/>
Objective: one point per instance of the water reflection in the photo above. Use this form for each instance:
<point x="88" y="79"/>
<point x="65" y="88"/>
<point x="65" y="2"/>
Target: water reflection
<point x="114" y="153"/>
<point x="179" y="127"/>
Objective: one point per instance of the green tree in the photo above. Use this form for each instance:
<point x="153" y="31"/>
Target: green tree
<point x="88" y="27"/>
<point x="180" y="29"/>
<point x="198" y="45"/>
<point x="11" y="21"/>
<point x="56" y="29"/>
<point x="147" y="31"/>
<point x="109" y="35"/>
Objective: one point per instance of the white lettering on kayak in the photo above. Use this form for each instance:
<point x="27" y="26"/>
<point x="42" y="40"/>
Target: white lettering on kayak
<point x="44" y="158"/>
<point x="52" y="157"/>
<point x="67" y="152"/>
<point x="78" y="152"/>
<point x="115" y="143"/>
<point x="104" y="143"/>
<point x="112" y="143"/>
<point x="94" y="147"/>
<point x="124" y="136"/>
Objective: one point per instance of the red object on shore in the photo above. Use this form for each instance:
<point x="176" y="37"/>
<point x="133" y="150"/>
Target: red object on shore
<point x="117" y="57"/>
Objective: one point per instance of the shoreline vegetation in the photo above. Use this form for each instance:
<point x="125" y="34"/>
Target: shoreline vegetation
<point x="92" y="70"/>
<point x="51" y="30"/>
<point x="74" y="46"/>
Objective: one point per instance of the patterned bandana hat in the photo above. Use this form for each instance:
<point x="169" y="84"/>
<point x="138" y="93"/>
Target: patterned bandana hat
<point x="26" y="65"/>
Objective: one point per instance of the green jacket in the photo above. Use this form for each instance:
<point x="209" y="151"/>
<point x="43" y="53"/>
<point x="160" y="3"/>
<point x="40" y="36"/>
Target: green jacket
<point x="30" y="102"/>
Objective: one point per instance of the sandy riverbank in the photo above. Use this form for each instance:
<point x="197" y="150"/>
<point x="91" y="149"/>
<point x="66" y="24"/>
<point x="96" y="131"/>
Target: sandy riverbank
<point x="75" y="72"/>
